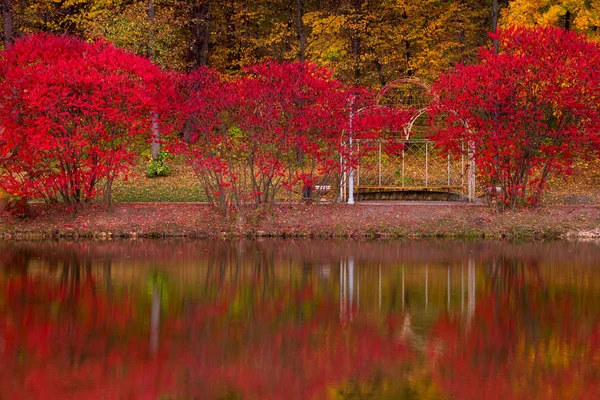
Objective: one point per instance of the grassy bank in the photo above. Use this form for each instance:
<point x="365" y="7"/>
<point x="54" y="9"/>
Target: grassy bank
<point x="182" y="186"/>
<point x="318" y="220"/>
<point x="572" y="211"/>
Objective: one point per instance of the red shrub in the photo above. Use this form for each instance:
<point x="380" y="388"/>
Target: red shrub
<point x="526" y="112"/>
<point x="71" y="111"/>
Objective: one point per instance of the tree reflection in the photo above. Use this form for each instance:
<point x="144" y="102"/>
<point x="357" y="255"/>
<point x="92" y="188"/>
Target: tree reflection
<point x="59" y="336"/>
<point x="249" y="333"/>
<point x="264" y="320"/>
<point x="525" y="340"/>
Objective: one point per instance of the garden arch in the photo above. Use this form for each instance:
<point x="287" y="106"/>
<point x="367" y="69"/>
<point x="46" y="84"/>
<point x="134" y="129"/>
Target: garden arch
<point x="408" y="93"/>
<point x="420" y="171"/>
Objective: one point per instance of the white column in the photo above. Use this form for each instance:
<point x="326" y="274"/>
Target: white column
<point x="351" y="169"/>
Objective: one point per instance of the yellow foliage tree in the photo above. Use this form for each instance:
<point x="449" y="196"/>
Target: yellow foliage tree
<point x="397" y="38"/>
<point x="365" y="41"/>
<point x="127" y="24"/>
<point x="580" y="15"/>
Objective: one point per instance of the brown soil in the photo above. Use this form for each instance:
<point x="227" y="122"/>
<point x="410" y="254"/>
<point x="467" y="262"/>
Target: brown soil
<point x="321" y="220"/>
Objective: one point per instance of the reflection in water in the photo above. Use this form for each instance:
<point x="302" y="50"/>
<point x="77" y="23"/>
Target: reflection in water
<point x="530" y="336"/>
<point x="286" y="319"/>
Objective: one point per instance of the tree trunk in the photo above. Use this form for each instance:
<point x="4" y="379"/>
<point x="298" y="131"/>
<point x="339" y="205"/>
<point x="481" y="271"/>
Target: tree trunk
<point x="568" y="16"/>
<point x="7" y="12"/>
<point x="356" y="42"/>
<point x="155" y="135"/>
<point x="300" y="30"/>
<point x="155" y="129"/>
<point x="108" y="193"/>
<point x="231" y="39"/>
<point x="150" y="10"/>
<point x="495" y="16"/>
<point x="407" y="48"/>
<point x="496" y="5"/>
<point x="495" y="41"/>
<point x="200" y="33"/>
<point x="380" y="74"/>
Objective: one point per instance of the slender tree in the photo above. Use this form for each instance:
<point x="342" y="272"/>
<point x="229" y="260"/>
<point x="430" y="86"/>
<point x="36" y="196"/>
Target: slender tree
<point x="7" y="13"/>
<point x="495" y="12"/>
<point x="356" y="39"/>
<point x="301" y="30"/>
<point x="200" y="33"/>
<point x="155" y="128"/>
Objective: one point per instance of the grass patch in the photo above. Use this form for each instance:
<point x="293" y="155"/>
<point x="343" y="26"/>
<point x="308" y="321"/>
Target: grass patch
<point x="180" y="186"/>
<point x="522" y="232"/>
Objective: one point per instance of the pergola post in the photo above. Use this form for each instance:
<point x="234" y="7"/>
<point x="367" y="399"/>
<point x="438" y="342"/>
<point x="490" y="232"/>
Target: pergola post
<point x="351" y="168"/>
<point x="426" y="163"/>
<point x="379" y="164"/>
<point x="471" y="177"/>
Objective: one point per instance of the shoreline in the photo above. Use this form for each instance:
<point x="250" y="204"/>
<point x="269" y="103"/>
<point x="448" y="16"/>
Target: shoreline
<point x="366" y="220"/>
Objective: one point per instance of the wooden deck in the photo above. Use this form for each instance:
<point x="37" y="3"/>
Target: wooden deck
<point x="392" y="189"/>
<point x="419" y="193"/>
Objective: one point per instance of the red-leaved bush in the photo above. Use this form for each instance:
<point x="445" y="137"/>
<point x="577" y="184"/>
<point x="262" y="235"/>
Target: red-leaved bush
<point x="525" y="113"/>
<point x="269" y="129"/>
<point x="278" y="126"/>
<point x="71" y="111"/>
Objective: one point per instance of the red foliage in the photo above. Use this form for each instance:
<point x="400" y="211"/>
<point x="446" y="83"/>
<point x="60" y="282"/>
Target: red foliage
<point x="523" y="340"/>
<point x="524" y="347"/>
<point x="41" y="319"/>
<point x="279" y="126"/>
<point x="526" y="112"/>
<point x="270" y="128"/>
<point x="15" y="206"/>
<point x="71" y="110"/>
<point x="72" y="340"/>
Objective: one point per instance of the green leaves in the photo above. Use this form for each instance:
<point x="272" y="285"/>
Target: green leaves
<point x="158" y="167"/>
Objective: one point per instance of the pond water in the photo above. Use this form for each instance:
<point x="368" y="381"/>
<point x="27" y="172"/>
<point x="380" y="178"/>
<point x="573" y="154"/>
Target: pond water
<point x="299" y="320"/>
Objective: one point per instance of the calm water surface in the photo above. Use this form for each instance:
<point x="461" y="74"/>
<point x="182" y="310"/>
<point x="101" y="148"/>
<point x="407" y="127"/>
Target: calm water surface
<point x="299" y="320"/>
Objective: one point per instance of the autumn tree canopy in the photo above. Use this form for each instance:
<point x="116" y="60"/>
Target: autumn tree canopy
<point x="270" y="129"/>
<point x="526" y="112"/>
<point x="280" y="126"/>
<point x="371" y="42"/>
<point x="70" y="111"/>
<point x="578" y="15"/>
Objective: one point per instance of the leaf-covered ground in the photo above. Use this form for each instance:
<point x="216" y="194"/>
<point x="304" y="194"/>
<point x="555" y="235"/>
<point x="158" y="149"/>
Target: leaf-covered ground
<point x="155" y="207"/>
<point x="322" y="220"/>
<point x="582" y="187"/>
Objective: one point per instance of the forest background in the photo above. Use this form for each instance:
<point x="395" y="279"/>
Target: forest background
<point x="367" y="42"/>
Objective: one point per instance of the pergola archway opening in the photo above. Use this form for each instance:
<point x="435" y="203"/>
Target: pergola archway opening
<point x="410" y="94"/>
